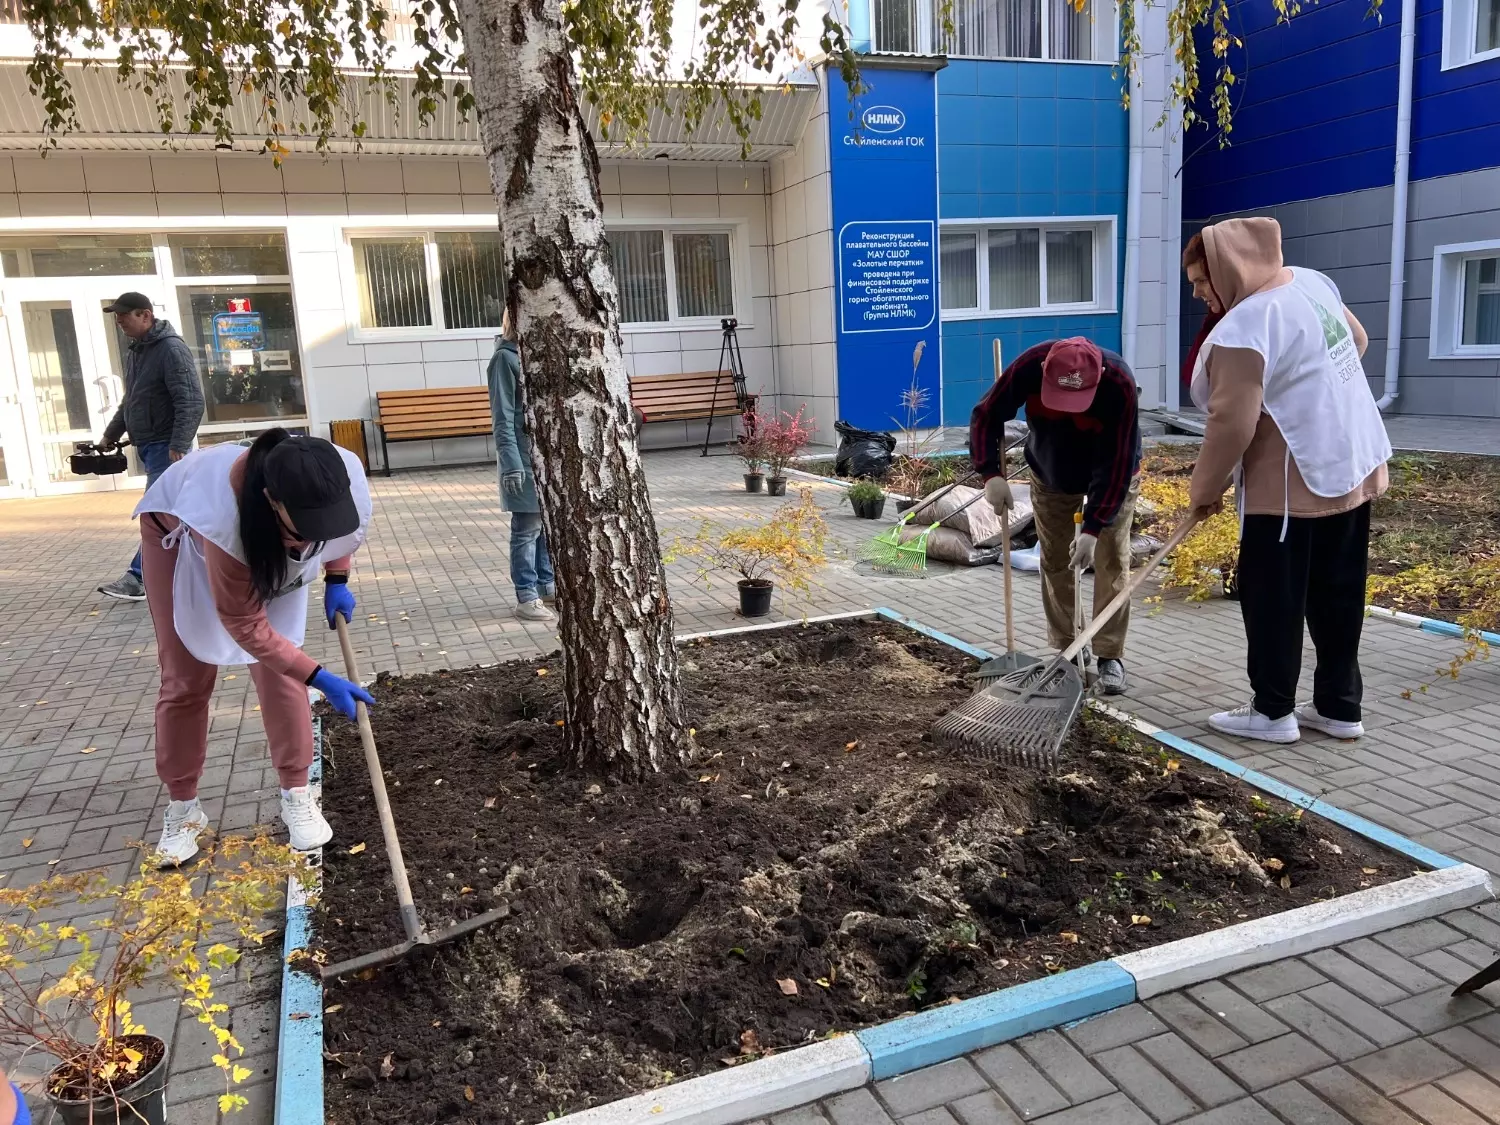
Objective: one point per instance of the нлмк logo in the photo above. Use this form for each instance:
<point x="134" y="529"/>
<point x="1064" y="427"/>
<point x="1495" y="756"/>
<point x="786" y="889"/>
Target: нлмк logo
<point x="883" y="119"/>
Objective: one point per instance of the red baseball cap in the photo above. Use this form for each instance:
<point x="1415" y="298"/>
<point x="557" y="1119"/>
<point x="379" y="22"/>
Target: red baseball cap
<point x="1070" y="375"/>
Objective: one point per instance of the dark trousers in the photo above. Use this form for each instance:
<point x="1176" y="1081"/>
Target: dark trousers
<point x="1316" y="575"/>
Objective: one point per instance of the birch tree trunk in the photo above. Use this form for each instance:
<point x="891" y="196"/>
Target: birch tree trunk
<point x="624" y="710"/>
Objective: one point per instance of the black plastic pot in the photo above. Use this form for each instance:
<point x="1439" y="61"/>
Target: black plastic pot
<point x="753" y="481"/>
<point x="904" y="505"/>
<point x="144" y="1102"/>
<point x="755" y="597"/>
<point x="776" y="486"/>
<point x="869" y="509"/>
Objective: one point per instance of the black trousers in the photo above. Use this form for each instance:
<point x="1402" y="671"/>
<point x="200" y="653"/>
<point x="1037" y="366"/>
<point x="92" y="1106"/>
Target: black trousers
<point x="1316" y="575"/>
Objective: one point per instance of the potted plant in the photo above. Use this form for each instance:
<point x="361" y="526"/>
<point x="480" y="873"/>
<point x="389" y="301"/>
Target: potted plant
<point x="867" y="499"/>
<point x="111" y="1071"/>
<point x="785" y="437"/>
<point x="750" y="448"/>
<point x="787" y="548"/>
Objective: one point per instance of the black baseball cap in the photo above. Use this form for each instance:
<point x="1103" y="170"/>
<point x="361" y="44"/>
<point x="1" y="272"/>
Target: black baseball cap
<point x="307" y="476"/>
<point x="128" y="302"/>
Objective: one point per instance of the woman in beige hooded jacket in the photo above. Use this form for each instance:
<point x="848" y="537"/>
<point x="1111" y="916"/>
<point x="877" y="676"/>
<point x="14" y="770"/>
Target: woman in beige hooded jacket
<point x="1291" y="418"/>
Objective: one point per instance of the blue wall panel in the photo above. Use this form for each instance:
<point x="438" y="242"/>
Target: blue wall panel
<point x="1315" y="110"/>
<point x="1025" y="139"/>
<point x="968" y="366"/>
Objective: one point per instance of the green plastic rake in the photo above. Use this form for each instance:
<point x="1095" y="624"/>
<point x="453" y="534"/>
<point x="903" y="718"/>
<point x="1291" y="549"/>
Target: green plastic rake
<point x="886" y="552"/>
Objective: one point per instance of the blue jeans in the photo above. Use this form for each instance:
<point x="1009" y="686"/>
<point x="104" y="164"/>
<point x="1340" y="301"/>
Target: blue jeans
<point x="530" y="564"/>
<point x="155" y="457"/>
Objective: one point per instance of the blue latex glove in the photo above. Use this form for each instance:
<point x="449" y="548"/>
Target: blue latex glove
<point x="338" y="598"/>
<point x="341" y="693"/>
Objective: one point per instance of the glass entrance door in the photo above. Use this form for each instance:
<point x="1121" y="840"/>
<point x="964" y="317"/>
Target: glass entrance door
<point x="69" y="363"/>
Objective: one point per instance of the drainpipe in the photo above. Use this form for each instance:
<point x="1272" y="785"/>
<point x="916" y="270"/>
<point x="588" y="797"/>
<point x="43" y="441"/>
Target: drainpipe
<point x="1398" y="206"/>
<point x="1130" y="306"/>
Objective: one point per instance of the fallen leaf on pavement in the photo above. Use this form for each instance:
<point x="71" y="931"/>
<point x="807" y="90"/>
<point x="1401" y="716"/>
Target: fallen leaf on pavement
<point x="88" y="750"/>
<point x="26" y="843"/>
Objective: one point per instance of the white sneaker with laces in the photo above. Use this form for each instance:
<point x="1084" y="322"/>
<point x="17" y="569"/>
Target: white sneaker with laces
<point x="1307" y="716"/>
<point x="304" y="820"/>
<point x="184" y="822"/>
<point x="535" y="611"/>
<point x="1247" y="722"/>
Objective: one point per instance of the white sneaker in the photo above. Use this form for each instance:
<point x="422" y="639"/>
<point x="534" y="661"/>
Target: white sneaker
<point x="1247" y="722"/>
<point x="535" y="611"/>
<point x="304" y="820"/>
<point x="184" y="822"/>
<point x="1307" y="716"/>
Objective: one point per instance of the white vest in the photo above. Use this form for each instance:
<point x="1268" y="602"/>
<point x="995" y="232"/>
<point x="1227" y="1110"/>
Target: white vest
<point x="197" y="491"/>
<point x="1315" y="387"/>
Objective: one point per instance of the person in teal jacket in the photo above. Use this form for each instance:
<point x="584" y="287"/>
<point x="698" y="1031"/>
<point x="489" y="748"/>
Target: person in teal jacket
<point x="530" y="564"/>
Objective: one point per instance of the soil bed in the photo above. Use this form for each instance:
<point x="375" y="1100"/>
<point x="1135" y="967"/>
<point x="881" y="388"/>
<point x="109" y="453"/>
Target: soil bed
<point x="1433" y="532"/>
<point x="820" y="867"/>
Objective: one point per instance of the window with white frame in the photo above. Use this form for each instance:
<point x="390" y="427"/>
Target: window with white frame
<point x="1465" y="301"/>
<point x="668" y="275"/>
<point x="1471" y="31"/>
<point x="435" y="280"/>
<point x="1010" y="268"/>
<point x="999" y="29"/>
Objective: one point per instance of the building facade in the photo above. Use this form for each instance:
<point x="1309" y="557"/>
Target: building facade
<point x="979" y="189"/>
<point x="1317" y="131"/>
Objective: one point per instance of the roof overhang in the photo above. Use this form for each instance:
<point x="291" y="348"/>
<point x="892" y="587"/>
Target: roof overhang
<point x="116" y="116"/>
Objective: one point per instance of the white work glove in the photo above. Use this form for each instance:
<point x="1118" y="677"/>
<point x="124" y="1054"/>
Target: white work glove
<point x="513" y="483"/>
<point x="1083" y="552"/>
<point x="997" y="492"/>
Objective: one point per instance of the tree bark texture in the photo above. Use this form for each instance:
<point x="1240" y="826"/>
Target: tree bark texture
<point x="624" y="709"/>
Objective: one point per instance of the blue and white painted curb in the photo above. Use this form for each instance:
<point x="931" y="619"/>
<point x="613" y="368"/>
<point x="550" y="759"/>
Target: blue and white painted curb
<point x="1432" y="625"/>
<point x="847" y="1062"/>
<point x="299" y="1048"/>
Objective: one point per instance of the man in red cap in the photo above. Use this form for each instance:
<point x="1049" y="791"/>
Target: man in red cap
<point x="1084" y="449"/>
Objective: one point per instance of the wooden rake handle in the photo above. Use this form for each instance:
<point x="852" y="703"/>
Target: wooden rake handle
<point x="1123" y="597"/>
<point x="409" y="918"/>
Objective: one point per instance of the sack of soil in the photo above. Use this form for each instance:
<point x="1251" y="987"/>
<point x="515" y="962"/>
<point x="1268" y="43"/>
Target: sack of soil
<point x="863" y="453"/>
<point x="978" y="521"/>
<point x="946" y="544"/>
<point x="1142" y="547"/>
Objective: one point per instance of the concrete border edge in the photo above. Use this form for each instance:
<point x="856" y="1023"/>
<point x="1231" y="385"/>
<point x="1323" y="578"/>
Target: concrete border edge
<point x="765" y="1086"/>
<point x="1165" y="968"/>
<point x="299" y="1041"/>
<point x="1434" y="625"/>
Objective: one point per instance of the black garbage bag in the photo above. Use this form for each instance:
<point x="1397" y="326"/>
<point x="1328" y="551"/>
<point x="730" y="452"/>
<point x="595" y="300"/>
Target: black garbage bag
<point x="863" y="453"/>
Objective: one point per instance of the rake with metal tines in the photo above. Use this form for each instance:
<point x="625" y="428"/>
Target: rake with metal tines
<point x="1024" y="716"/>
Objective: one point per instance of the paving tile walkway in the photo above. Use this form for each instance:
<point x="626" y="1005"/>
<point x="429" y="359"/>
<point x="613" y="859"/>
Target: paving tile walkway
<point x="78" y="674"/>
<point x="1363" y="1034"/>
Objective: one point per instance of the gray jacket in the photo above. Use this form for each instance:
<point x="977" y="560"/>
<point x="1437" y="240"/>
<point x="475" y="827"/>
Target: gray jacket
<point x="512" y="442"/>
<point x="163" y="397"/>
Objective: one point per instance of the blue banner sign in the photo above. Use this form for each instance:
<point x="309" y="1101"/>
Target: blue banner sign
<point x="883" y="155"/>
<point x="239" y="331"/>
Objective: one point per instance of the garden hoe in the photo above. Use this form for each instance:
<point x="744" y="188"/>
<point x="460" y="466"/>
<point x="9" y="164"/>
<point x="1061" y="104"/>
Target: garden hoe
<point x="1024" y="717"/>
<point x="1479" y="980"/>
<point x="416" y="934"/>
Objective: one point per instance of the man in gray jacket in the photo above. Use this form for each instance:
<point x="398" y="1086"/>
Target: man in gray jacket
<point x="530" y="564"/>
<point x="162" y="409"/>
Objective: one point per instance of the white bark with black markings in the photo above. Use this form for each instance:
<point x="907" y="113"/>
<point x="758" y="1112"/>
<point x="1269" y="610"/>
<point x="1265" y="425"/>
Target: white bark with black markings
<point x="624" y="709"/>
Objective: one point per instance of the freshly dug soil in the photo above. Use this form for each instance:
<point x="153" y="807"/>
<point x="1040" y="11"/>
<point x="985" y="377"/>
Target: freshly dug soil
<point x="819" y="867"/>
<point x="1442" y="511"/>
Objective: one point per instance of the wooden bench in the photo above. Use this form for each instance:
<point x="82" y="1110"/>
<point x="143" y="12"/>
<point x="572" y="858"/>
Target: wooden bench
<point x="443" y="412"/>
<point x="687" y="398"/>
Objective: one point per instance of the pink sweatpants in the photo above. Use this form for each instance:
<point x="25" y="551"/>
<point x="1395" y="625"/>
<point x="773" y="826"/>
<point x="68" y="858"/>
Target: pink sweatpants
<point x="187" y="685"/>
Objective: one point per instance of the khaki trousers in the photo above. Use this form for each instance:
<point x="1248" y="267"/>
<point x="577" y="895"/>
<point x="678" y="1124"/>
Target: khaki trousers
<point x="1054" y="529"/>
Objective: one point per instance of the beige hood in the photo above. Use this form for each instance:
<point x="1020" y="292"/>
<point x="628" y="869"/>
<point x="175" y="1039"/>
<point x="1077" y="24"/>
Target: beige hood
<point x="1244" y="256"/>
